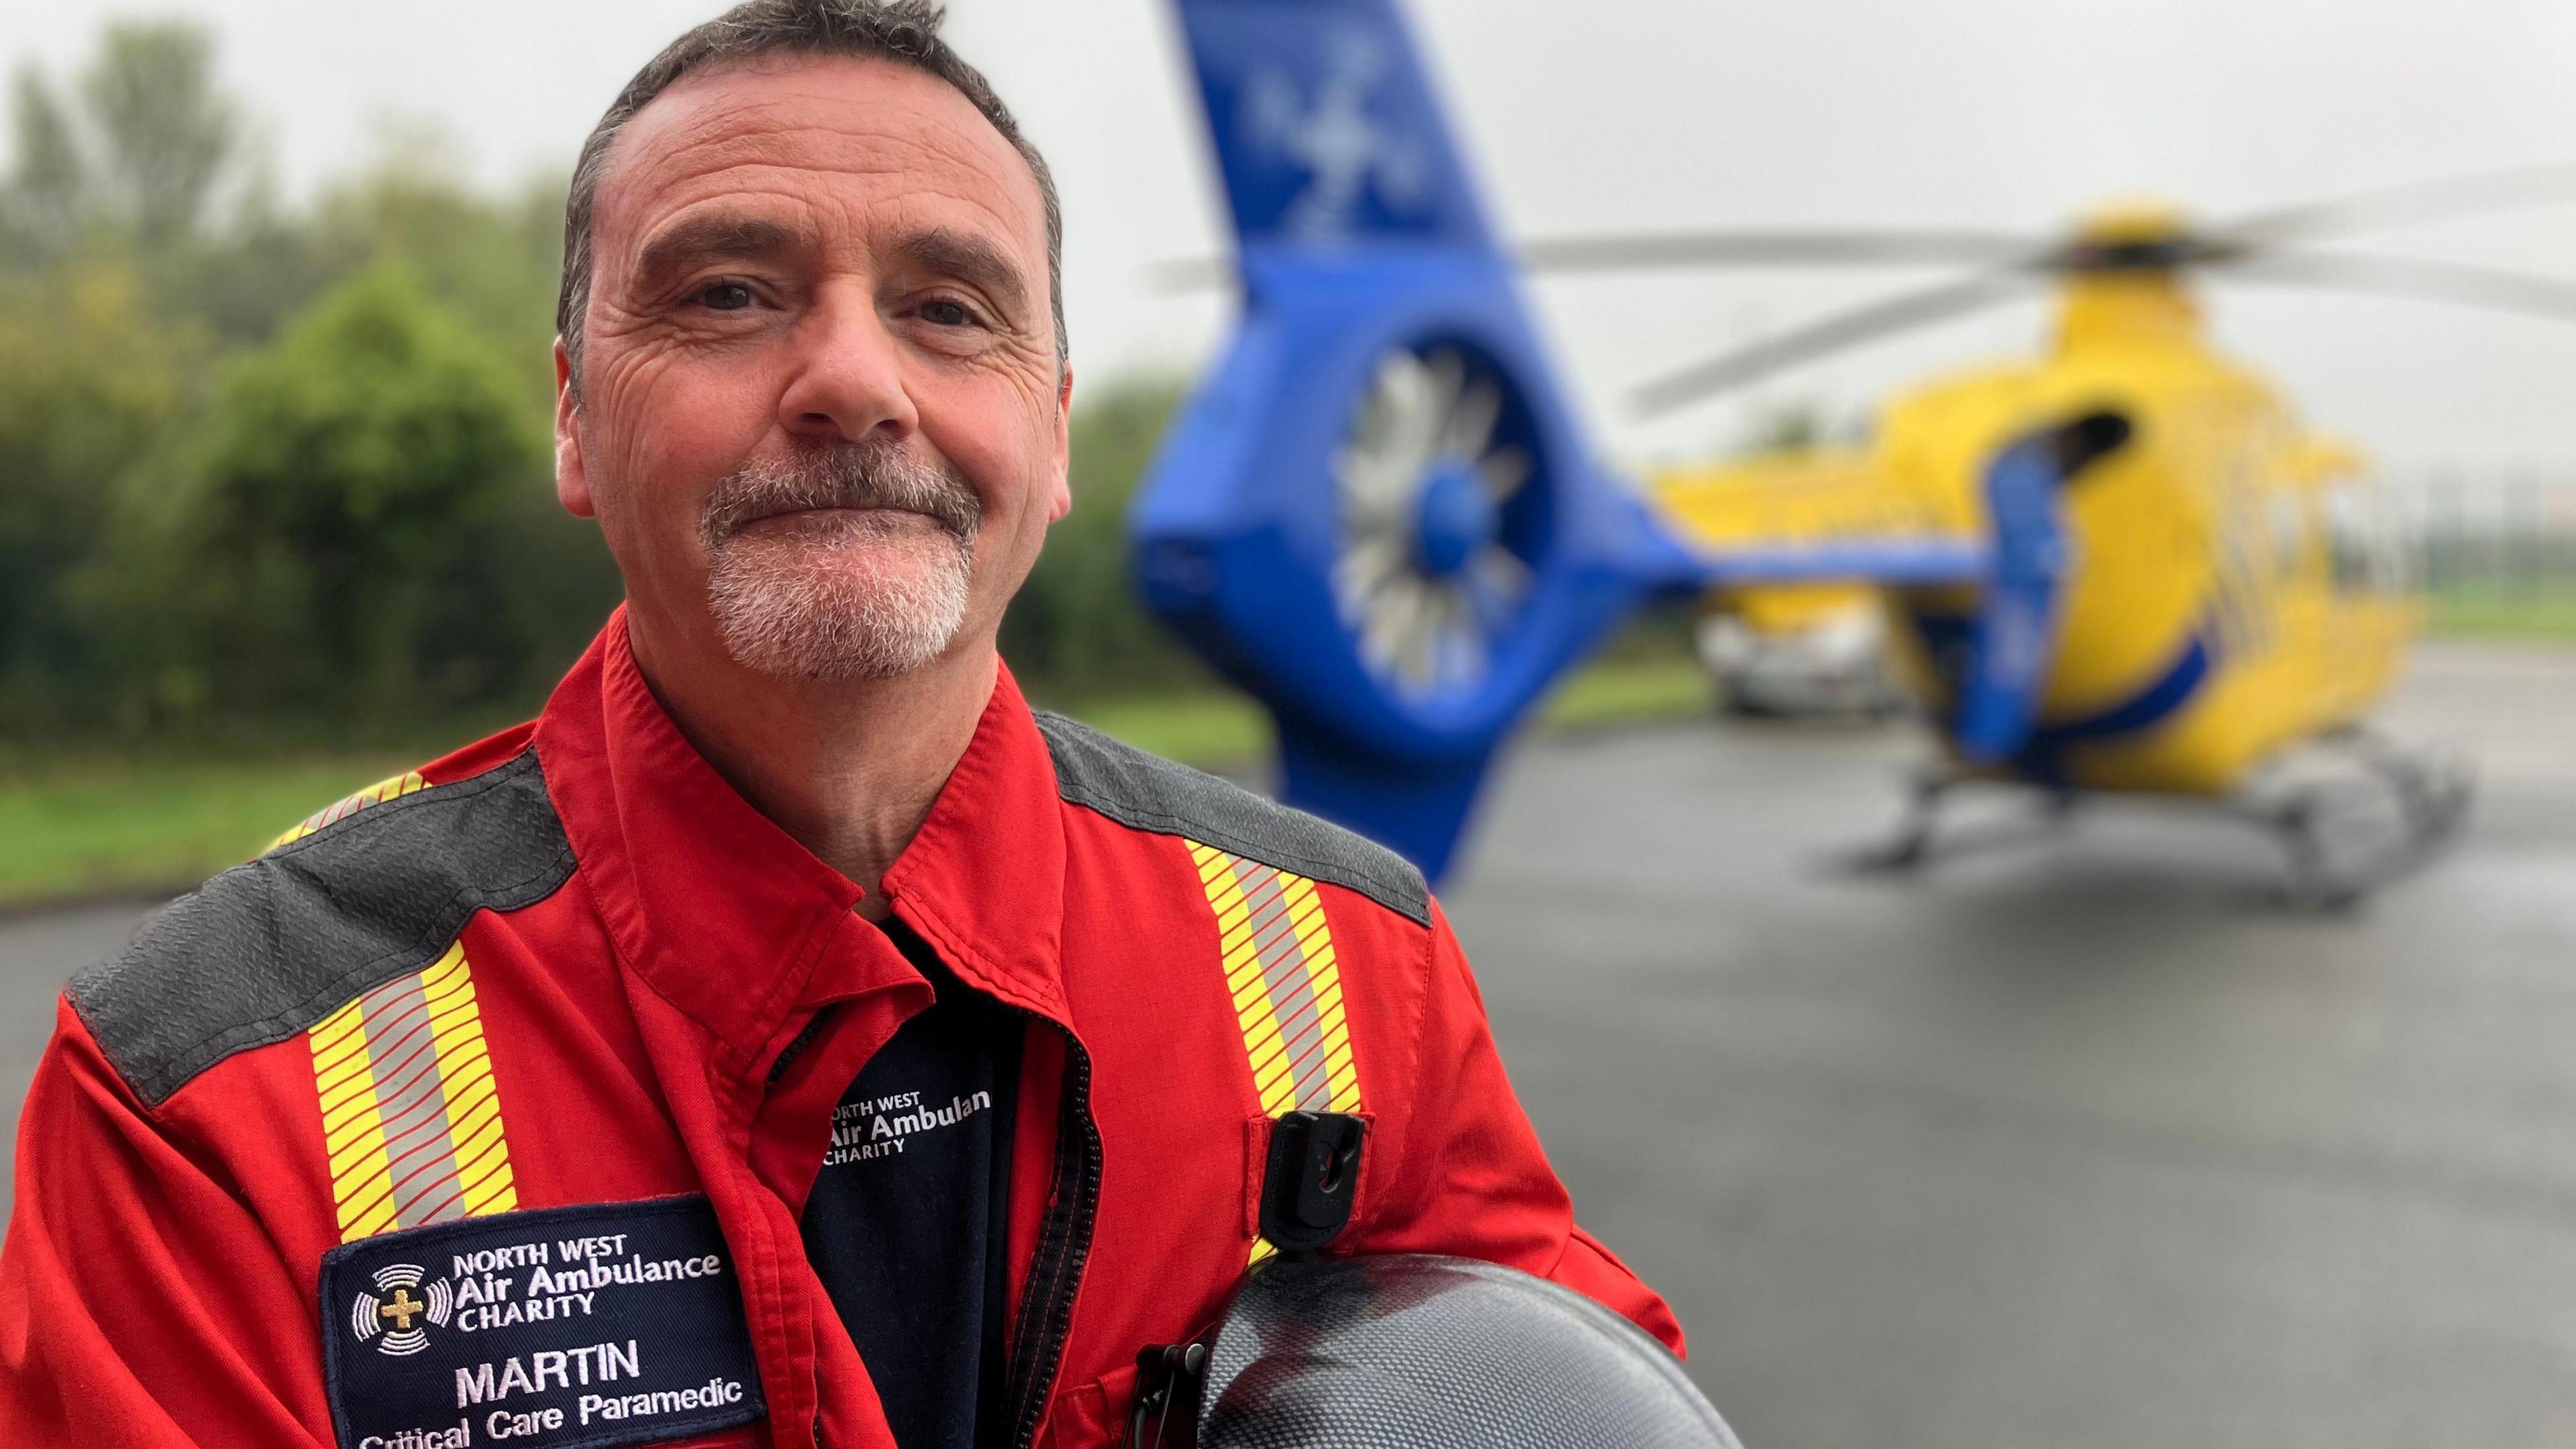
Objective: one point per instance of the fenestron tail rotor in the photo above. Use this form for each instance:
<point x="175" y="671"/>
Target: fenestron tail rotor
<point x="1424" y="578"/>
<point x="1378" y="512"/>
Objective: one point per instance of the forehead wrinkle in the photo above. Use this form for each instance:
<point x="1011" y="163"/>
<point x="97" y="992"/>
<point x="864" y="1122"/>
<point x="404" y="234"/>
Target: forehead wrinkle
<point x="866" y="153"/>
<point x="914" y="113"/>
<point x="736" y="154"/>
<point x="919" y="212"/>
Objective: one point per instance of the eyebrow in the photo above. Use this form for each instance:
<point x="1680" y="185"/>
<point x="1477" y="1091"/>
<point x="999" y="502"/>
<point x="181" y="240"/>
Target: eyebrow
<point x="970" y="259"/>
<point x="708" y="238"/>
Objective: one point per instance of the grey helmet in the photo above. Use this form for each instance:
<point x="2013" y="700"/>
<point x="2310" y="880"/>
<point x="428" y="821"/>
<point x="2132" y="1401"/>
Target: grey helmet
<point x="1415" y="1352"/>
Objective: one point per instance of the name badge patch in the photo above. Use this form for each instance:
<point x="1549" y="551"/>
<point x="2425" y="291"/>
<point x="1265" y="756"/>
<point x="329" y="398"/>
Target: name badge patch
<point x="557" y="1328"/>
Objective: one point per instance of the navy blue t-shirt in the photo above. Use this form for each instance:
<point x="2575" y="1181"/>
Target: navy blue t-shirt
<point x="908" y="1222"/>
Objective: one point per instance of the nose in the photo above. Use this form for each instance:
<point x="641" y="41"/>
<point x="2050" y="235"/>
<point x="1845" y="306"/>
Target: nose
<point x="849" y="378"/>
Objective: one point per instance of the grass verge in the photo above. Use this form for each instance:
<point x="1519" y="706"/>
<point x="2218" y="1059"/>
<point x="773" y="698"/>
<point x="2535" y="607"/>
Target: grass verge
<point x="78" y="828"/>
<point x="2548" y="614"/>
<point x="88" y="829"/>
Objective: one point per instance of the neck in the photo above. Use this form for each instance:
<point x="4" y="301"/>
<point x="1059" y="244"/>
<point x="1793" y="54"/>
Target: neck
<point x="849" y="768"/>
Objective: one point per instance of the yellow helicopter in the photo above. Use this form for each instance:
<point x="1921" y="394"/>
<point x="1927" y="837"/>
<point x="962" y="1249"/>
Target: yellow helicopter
<point x="2237" y="585"/>
<point x="2121" y="567"/>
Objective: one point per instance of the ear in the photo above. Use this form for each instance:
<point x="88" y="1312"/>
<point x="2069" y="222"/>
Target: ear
<point x="572" y="480"/>
<point x="1060" y="502"/>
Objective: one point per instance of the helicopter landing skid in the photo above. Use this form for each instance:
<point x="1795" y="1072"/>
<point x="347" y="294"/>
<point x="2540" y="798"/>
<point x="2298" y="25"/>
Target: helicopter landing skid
<point x="2430" y="791"/>
<point x="1918" y="842"/>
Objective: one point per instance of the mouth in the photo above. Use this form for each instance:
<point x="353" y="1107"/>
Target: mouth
<point x="837" y="520"/>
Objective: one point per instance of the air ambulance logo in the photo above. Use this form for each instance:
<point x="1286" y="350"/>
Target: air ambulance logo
<point x="398" y="1315"/>
<point x="1334" y="134"/>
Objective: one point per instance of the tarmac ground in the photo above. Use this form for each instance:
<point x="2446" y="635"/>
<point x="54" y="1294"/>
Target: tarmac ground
<point x="2085" y="1141"/>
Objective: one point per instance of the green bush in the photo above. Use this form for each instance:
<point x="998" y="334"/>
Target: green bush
<point x="279" y="475"/>
<point x="357" y="473"/>
<point x="90" y="386"/>
<point x="1078" y="628"/>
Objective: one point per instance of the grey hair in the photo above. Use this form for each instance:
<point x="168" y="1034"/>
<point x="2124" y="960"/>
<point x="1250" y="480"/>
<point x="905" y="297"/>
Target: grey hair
<point x="905" y="32"/>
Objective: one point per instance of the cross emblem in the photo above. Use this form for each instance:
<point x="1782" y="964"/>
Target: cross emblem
<point x="1341" y="146"/>
<point x="402" y="1310"/>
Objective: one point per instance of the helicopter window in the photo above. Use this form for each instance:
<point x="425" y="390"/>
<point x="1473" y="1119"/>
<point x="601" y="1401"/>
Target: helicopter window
<point x="2361" y="538"/>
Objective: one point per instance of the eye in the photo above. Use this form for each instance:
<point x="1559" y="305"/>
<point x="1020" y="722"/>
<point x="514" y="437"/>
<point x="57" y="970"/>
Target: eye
<point x="725" y="296"/>
<point x="942" y="312"/>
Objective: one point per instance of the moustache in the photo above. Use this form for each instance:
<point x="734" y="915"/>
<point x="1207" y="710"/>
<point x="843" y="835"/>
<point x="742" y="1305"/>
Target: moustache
<point x="875" y="474"/>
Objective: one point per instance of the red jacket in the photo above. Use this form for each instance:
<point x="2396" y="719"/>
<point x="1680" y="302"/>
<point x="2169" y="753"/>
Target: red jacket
<point x="568" y="965"/>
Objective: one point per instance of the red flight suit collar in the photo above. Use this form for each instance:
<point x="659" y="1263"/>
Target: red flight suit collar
<point x="739" y="926"/>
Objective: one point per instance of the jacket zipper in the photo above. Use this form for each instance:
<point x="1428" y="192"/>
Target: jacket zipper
<point x="1064" y="1243"/>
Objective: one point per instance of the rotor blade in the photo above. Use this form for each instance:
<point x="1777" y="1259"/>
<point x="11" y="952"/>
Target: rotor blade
<point x="1672" y="251"/>
<point x="1883" y="318"/>
<point x="1185" y="275"/>
<point x="1758" y="248"/>
<point x="2414" y="277"/>
<point x="2407" y="205"/>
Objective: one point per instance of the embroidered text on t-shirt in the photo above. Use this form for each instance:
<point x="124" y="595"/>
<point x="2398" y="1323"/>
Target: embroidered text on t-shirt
<point x="879" y="1126"/>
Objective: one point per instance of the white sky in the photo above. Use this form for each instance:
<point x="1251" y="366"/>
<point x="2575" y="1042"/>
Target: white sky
<point x="1613" y="114"/>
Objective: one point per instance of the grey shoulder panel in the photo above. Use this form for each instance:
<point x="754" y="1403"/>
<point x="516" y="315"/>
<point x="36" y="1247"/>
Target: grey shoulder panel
<point x="1145" y="792"/>
<point x="267" y="949"/>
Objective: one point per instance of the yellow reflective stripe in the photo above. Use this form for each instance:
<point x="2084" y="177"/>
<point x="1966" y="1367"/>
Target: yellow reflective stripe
<point x="473" y="1104"/>
<point x="375" y="794"/>
<point x="1275" y="949"/>
<point x="353" y="1138"/>
<point x="417" y="1139"/>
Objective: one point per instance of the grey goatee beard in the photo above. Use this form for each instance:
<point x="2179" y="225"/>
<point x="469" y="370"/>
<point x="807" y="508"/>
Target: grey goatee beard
<point x="862" y="596"/>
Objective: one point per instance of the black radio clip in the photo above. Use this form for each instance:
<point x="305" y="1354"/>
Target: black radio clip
<point x="1307" y="1186"/>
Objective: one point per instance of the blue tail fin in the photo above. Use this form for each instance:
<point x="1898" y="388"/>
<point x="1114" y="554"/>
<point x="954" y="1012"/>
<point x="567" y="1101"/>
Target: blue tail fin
<point x="1326" y="128"/>
<point x="1378" y="513"/>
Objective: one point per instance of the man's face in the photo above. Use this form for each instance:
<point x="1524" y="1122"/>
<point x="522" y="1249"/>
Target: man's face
<point x="821" y="421"/>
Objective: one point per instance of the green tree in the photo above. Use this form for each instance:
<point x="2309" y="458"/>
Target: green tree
<point x="164" y="131"/>
<point x="356" y="523"/>
<point x="40" y="205"/>
<point x="494" y="261"/>
<point x="90" y="386"/>
<point x="355" y="467"/>
<point x="142" y="155"/>
<point x="1078" y="627"/>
